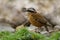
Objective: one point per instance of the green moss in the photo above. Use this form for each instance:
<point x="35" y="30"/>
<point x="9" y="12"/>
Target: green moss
<point x="24" y="34"/>
<point x="55" y="36"/>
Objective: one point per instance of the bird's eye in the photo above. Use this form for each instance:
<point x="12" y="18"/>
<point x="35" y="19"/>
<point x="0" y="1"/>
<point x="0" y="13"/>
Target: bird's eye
<point x="31" y="10"/>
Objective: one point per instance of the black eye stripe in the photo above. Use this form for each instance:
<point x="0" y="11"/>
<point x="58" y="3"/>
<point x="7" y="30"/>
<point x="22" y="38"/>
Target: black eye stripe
<point x="31" y="10"/>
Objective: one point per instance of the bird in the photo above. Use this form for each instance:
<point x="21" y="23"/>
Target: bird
<point x="36" y="19"/>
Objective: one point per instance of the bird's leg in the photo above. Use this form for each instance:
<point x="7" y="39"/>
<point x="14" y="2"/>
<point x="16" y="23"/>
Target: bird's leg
<point x="46" y="28"/>
<point x="27" y="23"/>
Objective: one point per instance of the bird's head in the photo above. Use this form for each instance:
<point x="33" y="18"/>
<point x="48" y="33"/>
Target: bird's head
<point x="29" y="10"/>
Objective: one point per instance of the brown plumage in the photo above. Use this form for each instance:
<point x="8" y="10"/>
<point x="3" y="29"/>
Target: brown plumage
<point x="37" y="19"/>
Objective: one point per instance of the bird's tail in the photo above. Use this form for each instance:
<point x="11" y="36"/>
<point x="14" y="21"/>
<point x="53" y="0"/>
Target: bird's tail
<point x="50" y="24"/>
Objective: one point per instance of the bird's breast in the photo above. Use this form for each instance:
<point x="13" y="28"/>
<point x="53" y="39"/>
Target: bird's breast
<point x="33" y="21"/>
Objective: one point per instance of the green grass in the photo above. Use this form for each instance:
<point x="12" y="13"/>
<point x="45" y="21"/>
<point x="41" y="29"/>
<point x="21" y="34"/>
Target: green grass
<point x="24" y="34"/>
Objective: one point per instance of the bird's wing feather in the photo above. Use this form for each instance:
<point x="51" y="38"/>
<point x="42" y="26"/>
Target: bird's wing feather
<point x="40" y="18"/>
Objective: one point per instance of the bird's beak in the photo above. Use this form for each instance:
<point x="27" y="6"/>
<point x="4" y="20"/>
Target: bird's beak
<point x="24" y="10"/>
